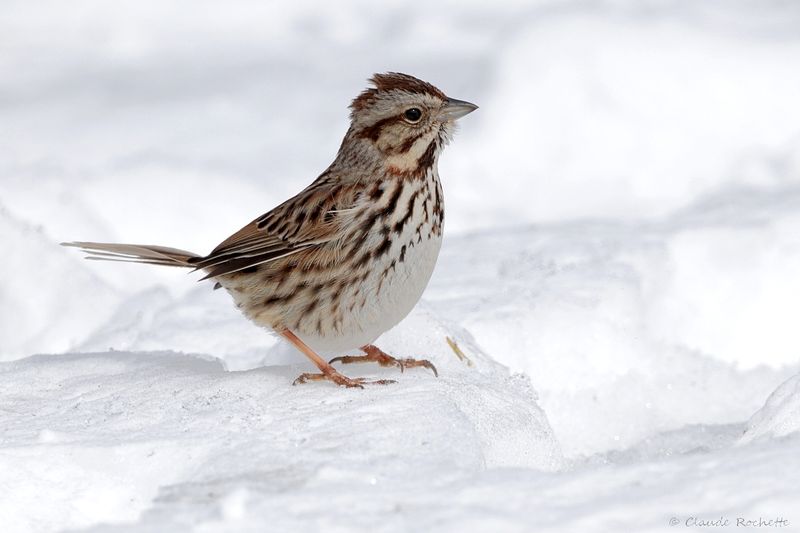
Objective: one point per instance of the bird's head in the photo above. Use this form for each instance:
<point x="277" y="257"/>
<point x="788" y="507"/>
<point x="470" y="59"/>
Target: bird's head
<point x="406" y="120"/>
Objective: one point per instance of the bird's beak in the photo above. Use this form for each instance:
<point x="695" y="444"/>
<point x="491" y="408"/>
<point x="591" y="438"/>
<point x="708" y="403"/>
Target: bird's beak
<point x="455" y="109"/>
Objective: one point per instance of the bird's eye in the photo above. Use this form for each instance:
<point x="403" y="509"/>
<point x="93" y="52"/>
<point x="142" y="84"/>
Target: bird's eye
<point x="413" y="114"/>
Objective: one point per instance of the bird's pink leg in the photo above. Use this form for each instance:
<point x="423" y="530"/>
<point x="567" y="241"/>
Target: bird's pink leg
<point x="327" y="372"/>
<point x="376" y="355"/>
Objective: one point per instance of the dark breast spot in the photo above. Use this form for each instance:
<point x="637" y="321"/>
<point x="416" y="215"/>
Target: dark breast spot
<point x="382" y="248"/>
<point x="392" y="266"/>
<point x="376" y="192"/>
<point x="369" y="221"/>
<point x="363" y="260"/>
<point x="392" y="204"/>
<point x="398" y="227"/>
<point x="311" y="306"/>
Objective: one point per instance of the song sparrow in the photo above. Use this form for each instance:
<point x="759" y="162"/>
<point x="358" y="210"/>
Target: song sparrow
<point x="346" y="259"/>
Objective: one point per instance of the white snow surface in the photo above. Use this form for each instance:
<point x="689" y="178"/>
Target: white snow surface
<point x="620" y="268"/>
<point x="780" y="416"/>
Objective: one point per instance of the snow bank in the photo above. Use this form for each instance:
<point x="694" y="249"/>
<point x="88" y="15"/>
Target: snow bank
<point x="780" y="415"/>
<point x="98" y="436"/>
<point x="688" y="320"/>
<point x="165" y="441"/>
<point x="48" y="298"/>
<point x="611" y="497"/>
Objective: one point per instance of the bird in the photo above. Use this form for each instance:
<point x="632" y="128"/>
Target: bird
<point x="349" y="256"/>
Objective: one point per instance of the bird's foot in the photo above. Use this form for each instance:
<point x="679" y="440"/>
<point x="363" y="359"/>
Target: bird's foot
<point x="340" y="379"/>
<point x="376" y="355"/>
<point x="327" y="372"/>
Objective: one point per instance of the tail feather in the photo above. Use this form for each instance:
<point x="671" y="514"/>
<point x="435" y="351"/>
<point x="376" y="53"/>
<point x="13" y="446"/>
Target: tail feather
<point x="136" y="253"/>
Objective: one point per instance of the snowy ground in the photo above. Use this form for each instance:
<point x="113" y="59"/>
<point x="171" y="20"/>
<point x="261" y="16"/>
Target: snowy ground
<point x="620" y="269"/>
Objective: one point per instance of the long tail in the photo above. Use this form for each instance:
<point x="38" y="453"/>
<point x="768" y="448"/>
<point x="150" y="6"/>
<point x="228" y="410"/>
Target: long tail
<point x="136" y="253"/>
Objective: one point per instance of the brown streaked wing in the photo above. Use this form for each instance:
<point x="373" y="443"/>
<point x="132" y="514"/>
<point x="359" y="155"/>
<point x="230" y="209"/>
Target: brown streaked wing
<point x="251" y="245"/>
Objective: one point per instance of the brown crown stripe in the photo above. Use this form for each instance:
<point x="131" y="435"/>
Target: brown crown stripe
<point x="394" y="81"/>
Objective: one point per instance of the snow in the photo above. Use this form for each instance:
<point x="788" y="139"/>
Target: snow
<point x="126" y="424"/>
<point x="624" y="289"/>
<point x="780" y="416"/>
<point x="669" y="321"/>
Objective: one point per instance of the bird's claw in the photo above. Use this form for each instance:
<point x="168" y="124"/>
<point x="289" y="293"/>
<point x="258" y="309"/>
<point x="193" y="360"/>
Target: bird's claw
<point x="376" y="355"/>
<point x="418" y="362"/>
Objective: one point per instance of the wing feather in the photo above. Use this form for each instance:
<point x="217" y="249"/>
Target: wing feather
<point x="313" y="218"/>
